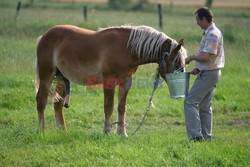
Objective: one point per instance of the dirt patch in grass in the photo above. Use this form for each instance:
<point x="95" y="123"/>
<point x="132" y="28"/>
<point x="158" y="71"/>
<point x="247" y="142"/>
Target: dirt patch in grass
<point x="236" y="123"/>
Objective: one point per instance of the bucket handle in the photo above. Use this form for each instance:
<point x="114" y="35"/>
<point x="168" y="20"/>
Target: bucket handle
<point x="179" y="69"/>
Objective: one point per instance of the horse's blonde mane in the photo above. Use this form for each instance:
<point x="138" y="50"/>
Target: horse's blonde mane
<point x="147" y="42"/>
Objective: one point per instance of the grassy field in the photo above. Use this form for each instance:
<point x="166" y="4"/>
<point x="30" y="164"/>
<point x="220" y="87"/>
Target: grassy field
<point x="162" y="140"/>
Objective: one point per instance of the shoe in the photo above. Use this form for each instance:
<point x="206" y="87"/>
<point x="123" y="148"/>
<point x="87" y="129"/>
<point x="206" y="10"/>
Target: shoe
<point x="66" y="105"/>
<point x="197" y="139"/>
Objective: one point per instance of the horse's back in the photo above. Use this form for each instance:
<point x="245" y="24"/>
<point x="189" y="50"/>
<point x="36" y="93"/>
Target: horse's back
<point x="79" y="53"/>
<point x="69" y="30"/>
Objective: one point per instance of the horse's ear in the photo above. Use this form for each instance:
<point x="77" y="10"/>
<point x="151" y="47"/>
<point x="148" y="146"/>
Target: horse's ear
<point x="181" y="42"/>
<point x="177" y="48"/>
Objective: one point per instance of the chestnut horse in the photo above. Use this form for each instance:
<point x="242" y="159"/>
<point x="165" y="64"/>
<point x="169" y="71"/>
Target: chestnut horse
<point x="115" y="52"/>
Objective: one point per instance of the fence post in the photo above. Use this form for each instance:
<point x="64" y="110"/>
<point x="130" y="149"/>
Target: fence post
<point x="160" y="16"/>
<point x="18" y="8"/>
<point x="85" y="13"/>
<point x="171" y="5"/>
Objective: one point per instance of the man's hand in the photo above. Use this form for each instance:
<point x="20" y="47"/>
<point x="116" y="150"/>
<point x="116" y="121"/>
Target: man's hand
<point x="195" y="71"/>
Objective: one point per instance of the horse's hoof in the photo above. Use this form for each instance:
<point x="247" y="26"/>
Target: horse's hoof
<point x="107" y="129"/>
<point x="124" y="134"/>
<point x="61" y="127"/>
<point x="107" y="132"/>
<point x="121" y="130"/>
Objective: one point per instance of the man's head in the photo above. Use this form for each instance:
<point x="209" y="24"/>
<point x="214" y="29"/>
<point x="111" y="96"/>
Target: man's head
<point x="204" y="17"/>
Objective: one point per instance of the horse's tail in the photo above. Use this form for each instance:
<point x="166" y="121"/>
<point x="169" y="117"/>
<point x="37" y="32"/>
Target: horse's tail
<point x="37" y="79"/>
<point x="52" y="92"/>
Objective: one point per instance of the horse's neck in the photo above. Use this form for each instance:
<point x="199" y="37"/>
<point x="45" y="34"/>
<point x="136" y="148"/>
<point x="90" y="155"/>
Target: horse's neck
<point x="139" y="62"/>
<point x="155" y="59"/>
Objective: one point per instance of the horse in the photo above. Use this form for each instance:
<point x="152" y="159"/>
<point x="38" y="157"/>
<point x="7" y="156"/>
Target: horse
<point x="106" y="54"/>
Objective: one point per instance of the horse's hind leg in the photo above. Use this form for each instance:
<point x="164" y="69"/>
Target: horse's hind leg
<point x="41" y="99"/>
<point x="58" y="104"/>
<point x="108" y="108"/>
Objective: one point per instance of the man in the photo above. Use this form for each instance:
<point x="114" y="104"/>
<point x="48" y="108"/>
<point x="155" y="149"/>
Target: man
<point x="209" y="61"/>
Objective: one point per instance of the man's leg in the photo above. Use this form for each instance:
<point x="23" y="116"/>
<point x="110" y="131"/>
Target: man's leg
<point x="191" y="110"/>
<point x="206" y="115"/>
<point x="201" y="88"/>
<point x="205" y="107"/>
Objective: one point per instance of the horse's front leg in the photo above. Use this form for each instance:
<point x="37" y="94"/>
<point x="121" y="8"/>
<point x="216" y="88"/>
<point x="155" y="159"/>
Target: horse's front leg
<point x="122" y="101"/>
<point x="108" y="108"/>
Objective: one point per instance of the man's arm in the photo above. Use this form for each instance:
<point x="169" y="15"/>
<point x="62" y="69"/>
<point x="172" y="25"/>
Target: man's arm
<point x="203" y="57"/>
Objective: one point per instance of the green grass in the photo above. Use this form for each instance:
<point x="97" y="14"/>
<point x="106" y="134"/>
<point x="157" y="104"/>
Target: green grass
<point x="162" y="140"/>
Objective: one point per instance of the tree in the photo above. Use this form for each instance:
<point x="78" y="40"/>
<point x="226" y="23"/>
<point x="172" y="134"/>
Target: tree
<point x="127" y="4"/>
<point x="119" y="4"/>
<point x="209" y="3"/>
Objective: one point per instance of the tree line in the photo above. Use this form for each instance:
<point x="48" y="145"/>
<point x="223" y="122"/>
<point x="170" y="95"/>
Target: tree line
<point x="137" y="5"/>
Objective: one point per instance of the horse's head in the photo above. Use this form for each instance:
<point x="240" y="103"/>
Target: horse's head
<point x="151" y="45"/>
<point x="174" y="59"/>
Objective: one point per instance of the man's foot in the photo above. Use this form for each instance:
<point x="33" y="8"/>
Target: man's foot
<point x="197" y="139"/>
